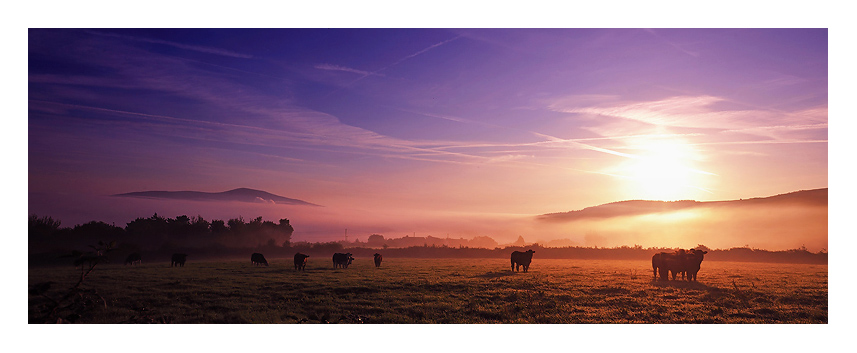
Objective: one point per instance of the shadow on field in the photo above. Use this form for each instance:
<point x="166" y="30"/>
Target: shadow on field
<point x="682" y="284"/>
<point x="495" y="274"/>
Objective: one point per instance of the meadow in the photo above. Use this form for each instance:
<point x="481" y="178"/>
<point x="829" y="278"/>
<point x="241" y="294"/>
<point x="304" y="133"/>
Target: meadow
<point x="438" y="291"/>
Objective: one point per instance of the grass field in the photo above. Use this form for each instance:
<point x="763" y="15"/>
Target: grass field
<point x="443" y="291"/>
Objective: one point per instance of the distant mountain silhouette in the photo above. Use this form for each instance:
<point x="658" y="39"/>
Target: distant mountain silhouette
<point x="240" y="194"/>
<point x="817" y="197"/>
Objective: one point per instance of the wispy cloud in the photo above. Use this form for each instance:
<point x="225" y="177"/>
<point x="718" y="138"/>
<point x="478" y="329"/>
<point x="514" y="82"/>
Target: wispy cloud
<point x="423" y="51"/>
<point x="698" y="112"/>
<point x="197" y="48"/>
<point x="377" y="72"/>
<point x="672" y="43"/>
<point x="331" y="67"/>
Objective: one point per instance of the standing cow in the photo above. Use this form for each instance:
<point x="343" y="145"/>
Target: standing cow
<point x="300" y="262"/>
<point x="694" y="260"/>
<point x="178" y="259"/>
<point x="522" y="259"/>
<point x="665" y="264"/>
<point x="342" y="260"/>
<point x="133" y="259"/>
<point x="378" y="258"/>
<point x="258" y="259"/>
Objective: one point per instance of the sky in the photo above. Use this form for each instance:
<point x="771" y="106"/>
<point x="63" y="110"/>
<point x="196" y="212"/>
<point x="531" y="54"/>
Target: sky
<point x="443" y="132"/>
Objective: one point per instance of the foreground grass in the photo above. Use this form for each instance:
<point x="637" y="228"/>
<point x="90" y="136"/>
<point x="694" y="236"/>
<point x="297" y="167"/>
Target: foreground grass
<point x="446" y="291"/>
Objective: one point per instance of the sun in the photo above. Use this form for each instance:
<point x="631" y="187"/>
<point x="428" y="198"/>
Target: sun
<point x="663" y="170"/>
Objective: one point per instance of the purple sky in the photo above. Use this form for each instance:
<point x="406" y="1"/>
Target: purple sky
<point x="398" y="131"/>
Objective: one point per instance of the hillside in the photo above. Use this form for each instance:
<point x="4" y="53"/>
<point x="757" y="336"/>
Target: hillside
<point x="816" y="197"/>
<point x="240" y="194"/>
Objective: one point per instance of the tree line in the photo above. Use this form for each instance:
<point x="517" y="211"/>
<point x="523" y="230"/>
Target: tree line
<point x="156" y="232"/>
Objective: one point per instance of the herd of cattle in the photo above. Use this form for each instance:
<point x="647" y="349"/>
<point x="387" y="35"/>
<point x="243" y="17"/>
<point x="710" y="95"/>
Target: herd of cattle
<point x="684" y="262"/>
<point x="664" y="264"/>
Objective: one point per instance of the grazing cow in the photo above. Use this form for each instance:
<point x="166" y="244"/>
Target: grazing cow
<point x="378" y="258"/>
<point x="300" y="262"/>
<point x="342" y="260"/>
<point x="694" y="260"/>
<point x="178" y="259"/>
<point x="522" y="259"/>
<point x="665" y="263"/>
<point x="133" y="259"/>
<point x="258" y="259"/>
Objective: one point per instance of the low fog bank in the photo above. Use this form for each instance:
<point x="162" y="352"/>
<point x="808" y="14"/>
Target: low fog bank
<point x="323" y="230"/>
<point x="762" y="227"/>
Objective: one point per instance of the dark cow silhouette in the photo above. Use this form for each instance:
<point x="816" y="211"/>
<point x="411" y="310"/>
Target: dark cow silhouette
<point x="665" y="263"/>
<point x="522" y="259"/>
<point x="342" y="260"/>
<point x="694" y="260"/>
<point x="679" y="262"/>
<point x="258" y="259"/>
<point x="300" y="262"/>
<point x="378" y="259"/>
<point x="178" y="259"/>
<point x="133" y="259"/>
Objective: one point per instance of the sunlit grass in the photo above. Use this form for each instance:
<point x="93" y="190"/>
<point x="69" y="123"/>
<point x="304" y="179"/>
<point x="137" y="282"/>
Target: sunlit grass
<point x="448" y="291"/>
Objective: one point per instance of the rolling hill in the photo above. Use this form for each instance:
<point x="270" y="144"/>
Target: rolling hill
<point x="816" y="197"/>
<point x="240" y="194"/>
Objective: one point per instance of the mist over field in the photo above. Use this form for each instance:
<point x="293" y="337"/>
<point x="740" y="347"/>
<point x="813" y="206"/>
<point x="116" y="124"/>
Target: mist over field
<point x="792" y="221"/>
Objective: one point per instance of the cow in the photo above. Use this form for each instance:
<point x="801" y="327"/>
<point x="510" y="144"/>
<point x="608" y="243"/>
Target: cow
<point x="300" y="262"/>
<point x="133" y="259"/>
<point x="378" y="258"/>
<point x="520" y="258"/>
<point x="178" y="259"/>
<point x="694" y="260"/>
<point x="665" y="263"/>
<point x="258" y="259"/>
<point x="342" y="260"/>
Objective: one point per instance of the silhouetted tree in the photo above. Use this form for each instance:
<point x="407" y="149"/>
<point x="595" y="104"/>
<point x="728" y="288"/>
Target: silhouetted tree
<point x="179" y="227"/>
<point x="236" y="225"/>
<point x="702" y="247"/>
<point x="42" y="227"/>
<point x="199" y="226"/>
<point x="218" y="227"/>
<point x="98" y="230"/>
<point x="154" y="226"/>
<point x="375" y="240"/>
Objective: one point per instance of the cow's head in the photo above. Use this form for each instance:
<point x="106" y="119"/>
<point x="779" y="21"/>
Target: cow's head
<point x="376" y="255"/>
<point x="530" y="251"/>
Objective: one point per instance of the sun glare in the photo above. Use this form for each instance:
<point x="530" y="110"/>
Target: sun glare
<point x="662" y="171"/>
